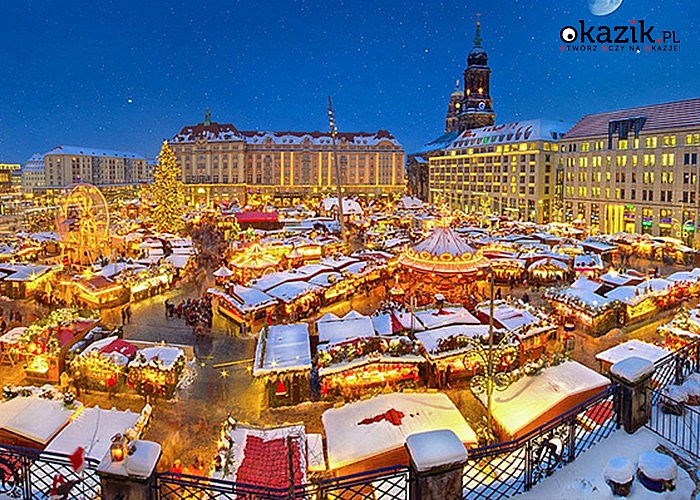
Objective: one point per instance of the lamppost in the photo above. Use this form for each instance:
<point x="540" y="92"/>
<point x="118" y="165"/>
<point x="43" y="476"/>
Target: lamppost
<point x="490" y="358"/>
<point x="334" y="134"/>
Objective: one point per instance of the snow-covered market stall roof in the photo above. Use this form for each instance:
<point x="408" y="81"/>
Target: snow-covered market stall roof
<point x="344" y="329"/>
<point x="244" y="298"/>
<point x="451" y="315"/>
<point x="631" y="348"/>
<point x="283" y="348"/>
<point x="443" y="252"/>
<point x="449" y="340"/>
<point x="527" y="402"/>
<point x="33" y="418"/>
<point x="93" y="429"/>
<point x="384" y="422"/>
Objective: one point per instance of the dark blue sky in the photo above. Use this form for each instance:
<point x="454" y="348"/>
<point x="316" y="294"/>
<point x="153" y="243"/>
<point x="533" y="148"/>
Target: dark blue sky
<point x="127" y="74"/>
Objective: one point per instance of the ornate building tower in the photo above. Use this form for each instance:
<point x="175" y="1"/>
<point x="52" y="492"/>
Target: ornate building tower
<point x="454" y="108"/>
<point x="477" y="110"/>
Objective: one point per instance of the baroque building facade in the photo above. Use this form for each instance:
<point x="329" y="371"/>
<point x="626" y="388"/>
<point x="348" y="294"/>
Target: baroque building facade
<point x="508" y="169"/>
<point x="635" y="170"/>
<point x="223" y="164"/>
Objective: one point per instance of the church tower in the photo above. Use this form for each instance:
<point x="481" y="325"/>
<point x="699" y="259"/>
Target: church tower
<point x="477" y="109"/>
<point x="454" y="108"/>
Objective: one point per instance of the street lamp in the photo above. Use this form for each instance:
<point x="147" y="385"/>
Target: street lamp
<point x="490" y="359"/>
<point x="334" y="134"/>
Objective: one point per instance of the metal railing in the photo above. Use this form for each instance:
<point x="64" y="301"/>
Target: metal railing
<point x="392" y="483"/>
<point x="505" y="469"/>
<point x="675" y="421"/>
<point x="676" y="366"/>
<point x="27" y="473"/>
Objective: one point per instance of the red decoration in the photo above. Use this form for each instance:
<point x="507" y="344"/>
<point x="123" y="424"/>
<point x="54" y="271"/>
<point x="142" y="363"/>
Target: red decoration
<point x="77" y="460"/>
<point x="392" y="416"/>
<point x="281" y="389"/>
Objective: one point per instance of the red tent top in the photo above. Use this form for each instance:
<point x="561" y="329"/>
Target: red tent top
<point x="257" y="217"/>
<point x="121" y="346"/>
<point x="266" y="463"/>
<point x="66" y="334"/>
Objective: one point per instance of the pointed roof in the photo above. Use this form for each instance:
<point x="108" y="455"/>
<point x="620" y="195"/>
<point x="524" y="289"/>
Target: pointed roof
<point x="443" y="252"/>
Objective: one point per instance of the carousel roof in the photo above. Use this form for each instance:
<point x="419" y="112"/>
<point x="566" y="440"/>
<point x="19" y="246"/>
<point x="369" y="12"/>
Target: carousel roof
<point x="445" y="252"/>
<point x="255" y="257"/>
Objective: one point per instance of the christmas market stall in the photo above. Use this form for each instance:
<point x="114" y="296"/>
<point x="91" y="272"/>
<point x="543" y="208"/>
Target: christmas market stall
<point x="354" y="367"/>
<point x="631" y="348"/>
<point x="584" y="307"/>
<point x="442" y="263"/>
<point x="271" y="458"/>
<point x="532" y="327"/>
<point x="642" y="301"/>
<point x="532" y="400"/>
<point x="448" y="350"/>
<point x="589" y="264"/>
<point x="255" y="261"/>
<point x="21" y="281"/>
<point x="30" y="417"/>
<point x="156" y="371"/>
<point x="94" y="428"/>
<point x="10" y="350"/>
<point x="104" y="363"/>
<point x="682" y="330"/>
<point x="45" y="344"/>
<point x="370" y="434"/>
<point x="283" y="362"/>
<point x="248" y="308"/>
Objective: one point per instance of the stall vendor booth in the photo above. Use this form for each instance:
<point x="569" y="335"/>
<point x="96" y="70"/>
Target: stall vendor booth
<point x="631" y="348"/>
<point x="532" y="401"/>
<point x="45" y="344"/>
<point x="248" y="308"/>
<point x="93" y="429"/>
<point x="351" y="368"/>
<point x="156" y="371"/>
<point x="368" y="435"/>
<point x="532" y="327"/>
<point x="448" y="353"/>
<point x="283" y="362"/>
<point x="264" y="457"/>
<point x="31" y="422"/>
<point x="10" y="351"/>
<point x="103" y="360"/>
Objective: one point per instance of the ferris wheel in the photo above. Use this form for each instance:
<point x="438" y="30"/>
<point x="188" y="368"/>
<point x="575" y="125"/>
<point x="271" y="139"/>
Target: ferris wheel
<point x="82" y="222"/>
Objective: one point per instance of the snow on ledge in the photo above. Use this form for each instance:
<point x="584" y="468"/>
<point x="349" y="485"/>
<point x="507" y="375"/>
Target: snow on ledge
<point x="632" y="369"/>
<point x="437" y="448"/>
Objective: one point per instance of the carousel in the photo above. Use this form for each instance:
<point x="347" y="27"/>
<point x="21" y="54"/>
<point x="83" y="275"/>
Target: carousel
<point x="443" y="264"/>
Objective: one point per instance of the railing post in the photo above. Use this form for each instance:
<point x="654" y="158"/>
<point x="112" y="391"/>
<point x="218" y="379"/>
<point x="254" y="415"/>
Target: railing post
<point x="437" y="464"/>
<point x="134" y="477"/>
<point x="528" y="465"/>
<point x="633" y="376"/>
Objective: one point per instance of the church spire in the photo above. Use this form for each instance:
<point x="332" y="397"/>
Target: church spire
<point x="207" y="117"/>
<point x="477" y="38"/>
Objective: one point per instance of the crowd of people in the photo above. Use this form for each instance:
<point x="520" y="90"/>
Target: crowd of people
<point x="197" y="313"/>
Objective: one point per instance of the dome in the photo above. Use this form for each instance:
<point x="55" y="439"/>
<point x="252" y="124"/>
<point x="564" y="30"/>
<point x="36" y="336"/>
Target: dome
<point x="443" y="252"/>
<point x="477" y="57"/>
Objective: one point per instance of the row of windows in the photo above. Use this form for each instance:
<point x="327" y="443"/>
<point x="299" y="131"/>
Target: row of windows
<point x="635" y="143"/>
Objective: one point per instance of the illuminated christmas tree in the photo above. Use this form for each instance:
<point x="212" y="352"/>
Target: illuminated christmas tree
<point x="167" y="193"/>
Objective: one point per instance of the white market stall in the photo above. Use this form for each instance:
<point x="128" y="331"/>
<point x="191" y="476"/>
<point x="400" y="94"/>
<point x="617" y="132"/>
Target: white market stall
<point x="384" y="422"/>
<point x="283" y="361"/>
<point x="532" y="401"/>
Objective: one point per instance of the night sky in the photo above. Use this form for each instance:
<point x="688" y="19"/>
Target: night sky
<point x="126" y="74"/>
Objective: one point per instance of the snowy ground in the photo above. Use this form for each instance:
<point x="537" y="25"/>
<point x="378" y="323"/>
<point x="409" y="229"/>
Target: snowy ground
<point x="584" y="477"/>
